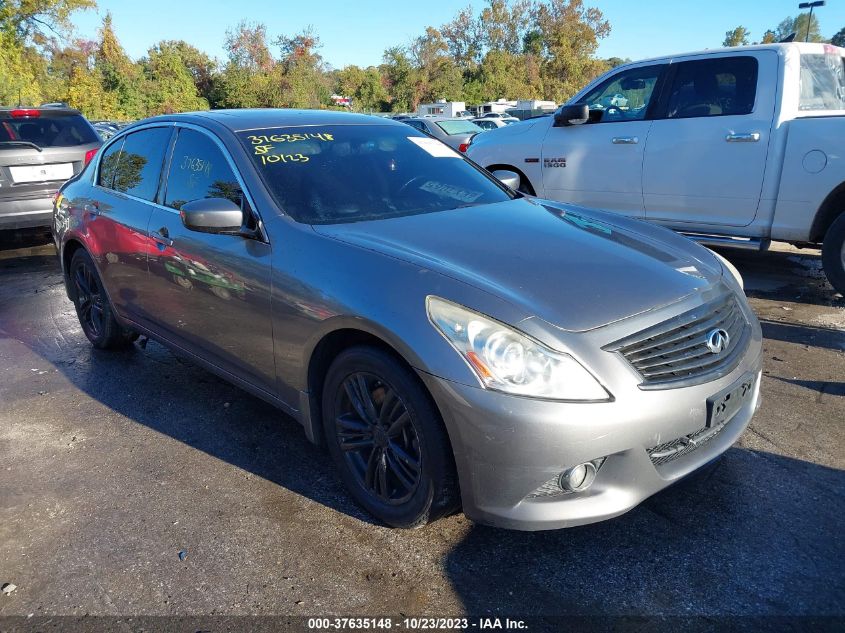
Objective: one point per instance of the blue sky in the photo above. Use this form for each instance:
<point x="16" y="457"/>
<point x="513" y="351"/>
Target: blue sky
<point x="358" y="32"/>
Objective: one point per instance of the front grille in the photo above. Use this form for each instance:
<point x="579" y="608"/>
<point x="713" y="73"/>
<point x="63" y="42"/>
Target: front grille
<point x="675" y="353"/>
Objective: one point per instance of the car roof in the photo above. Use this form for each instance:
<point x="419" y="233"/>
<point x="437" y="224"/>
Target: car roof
<point x="259" y="118"/>
<point x="55" y="109"/>
<point x="781" y="48"/>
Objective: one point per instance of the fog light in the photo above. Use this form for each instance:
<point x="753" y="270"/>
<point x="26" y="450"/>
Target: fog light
<point x="578" y="477"/>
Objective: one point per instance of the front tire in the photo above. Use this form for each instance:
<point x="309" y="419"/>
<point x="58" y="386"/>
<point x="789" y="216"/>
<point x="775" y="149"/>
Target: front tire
<point x="387" y="439"/>
<point x="833" y="254"/>
<point x="95" y="313"/>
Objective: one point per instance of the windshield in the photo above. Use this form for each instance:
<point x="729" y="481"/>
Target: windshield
<point x="458" y="127"/>
<point x="46" y="130"/>
<point x="822" y="82"/>
<point x="348" y="173"/>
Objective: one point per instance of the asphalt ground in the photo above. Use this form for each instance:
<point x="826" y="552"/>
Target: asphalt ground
<point x="112" y="464"/>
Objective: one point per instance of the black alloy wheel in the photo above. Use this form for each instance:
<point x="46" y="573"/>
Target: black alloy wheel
<point x="387" y="438"/>
<point x="378" y="439"/>
<point x="95" y="313"/>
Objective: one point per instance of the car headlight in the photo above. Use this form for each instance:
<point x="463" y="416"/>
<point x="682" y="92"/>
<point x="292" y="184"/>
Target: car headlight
<point x="507" y="360"/>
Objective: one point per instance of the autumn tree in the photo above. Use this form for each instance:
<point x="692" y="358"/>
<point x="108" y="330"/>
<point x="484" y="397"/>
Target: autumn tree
<point x="737" y="37"/>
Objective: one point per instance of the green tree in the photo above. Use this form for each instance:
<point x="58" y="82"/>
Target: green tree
<point x="365" y="86"/>
<point x="798" y="25"/>
<point x="737" y="37"/>
<point x="571" y="34"/>
<point x="170" y="86"/>
<point x="839" y="38"/>
<point x="400" y="75"/>
<point x="301" y="80"/>
<point x="37" y="21"/>
<point x="120" y="75"/>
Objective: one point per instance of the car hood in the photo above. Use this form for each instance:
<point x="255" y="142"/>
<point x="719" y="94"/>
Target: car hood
<point x="573" y="268"/>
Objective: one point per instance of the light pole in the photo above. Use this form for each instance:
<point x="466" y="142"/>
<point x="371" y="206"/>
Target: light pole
<point x="810" y="6"/>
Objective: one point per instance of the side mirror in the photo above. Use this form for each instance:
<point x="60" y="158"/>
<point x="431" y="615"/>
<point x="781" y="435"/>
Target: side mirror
<point x="212" y="215"/>
<point x="507" y="178"/>
<point x="572" y="115"/>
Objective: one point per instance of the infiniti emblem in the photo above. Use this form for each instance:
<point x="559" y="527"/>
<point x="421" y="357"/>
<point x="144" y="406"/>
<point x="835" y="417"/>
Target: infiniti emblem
<point x="717" y="341"/>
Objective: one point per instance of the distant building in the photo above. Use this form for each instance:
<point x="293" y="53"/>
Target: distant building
<point x="441" y="108"/>
<point x="502" y="105"/>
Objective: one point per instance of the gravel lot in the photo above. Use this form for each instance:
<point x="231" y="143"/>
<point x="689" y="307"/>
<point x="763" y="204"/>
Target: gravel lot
<point x="114" y="463"/>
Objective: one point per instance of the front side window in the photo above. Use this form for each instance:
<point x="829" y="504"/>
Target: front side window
<point x="198" y="169"/>
<point x="349" y="173"/>
<point x="624" y="96"/>
<point x="822" y="82"/>
<point x="137" y="171"/>
<point x="723" y="86"/>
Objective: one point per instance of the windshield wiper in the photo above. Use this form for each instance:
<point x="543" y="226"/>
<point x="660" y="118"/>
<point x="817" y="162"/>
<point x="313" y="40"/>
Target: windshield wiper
<point x="27" y="143"/>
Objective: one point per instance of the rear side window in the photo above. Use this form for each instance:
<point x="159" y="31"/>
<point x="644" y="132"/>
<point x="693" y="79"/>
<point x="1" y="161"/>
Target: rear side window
<point x="48" y="129"/>
<point x="198" y="169"/>
<point x="108" y="164"/>
<point x="723" y="86"/>
<point x="137" y="171"/>
<point x="458" y="127"/>
<point x="822" y="82"/>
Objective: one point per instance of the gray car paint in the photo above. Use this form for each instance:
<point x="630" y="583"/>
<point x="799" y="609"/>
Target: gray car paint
<point x="573" y="279"/>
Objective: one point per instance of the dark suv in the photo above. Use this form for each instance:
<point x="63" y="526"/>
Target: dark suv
<point x="40" y="148"/>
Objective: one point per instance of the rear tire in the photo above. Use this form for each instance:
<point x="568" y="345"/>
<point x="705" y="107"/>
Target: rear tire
<point x="833" y="254"/>
<point x="95" y="313"/>
<point x="387" y="439"/>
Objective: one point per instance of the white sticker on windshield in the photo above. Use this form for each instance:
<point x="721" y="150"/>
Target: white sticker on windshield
<point x="434" y="147"/>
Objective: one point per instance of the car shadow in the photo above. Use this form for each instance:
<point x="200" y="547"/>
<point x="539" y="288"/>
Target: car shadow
<point x="784" y="275"/>
<point x="755" y="534"/>
<point x="151" y="386"/>
<point x="803" y="334"/>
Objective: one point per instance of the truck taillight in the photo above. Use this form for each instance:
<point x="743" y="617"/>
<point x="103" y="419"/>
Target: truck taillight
<point x="90" y="154"/>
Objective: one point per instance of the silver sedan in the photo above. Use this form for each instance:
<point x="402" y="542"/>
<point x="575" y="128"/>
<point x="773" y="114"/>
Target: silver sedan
<point x="453" y="343"/>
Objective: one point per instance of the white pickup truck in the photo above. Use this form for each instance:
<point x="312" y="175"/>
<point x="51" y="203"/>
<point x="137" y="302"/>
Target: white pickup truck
<point x="736" y="146"/>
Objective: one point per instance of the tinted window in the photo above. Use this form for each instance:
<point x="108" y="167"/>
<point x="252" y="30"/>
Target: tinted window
<point x="108" y="164"/>
<point x="624" y="96"/>
<point x="418" y="125"/>
<point x="198" y="169"/>
<point x="822" y="82"/>
<point x="346" y="173"/>
<point x="138" y="169"/>
<point x="458" y="127"/>
<point x="49" y="129"/>
<point x="713" y="87"/>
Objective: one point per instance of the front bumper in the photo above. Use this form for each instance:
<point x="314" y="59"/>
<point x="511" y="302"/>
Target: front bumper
<point x="23" y="214"/>
<point x="507" y="447"/>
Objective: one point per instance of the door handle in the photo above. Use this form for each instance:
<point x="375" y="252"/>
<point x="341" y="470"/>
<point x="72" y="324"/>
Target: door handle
<point x="743" y="137"/>
<point x="625" y="140"/>
<point x="162" y="236"/>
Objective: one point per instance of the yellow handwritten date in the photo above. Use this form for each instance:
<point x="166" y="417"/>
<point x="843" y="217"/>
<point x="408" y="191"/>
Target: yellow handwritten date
<point x="283" y="158"/>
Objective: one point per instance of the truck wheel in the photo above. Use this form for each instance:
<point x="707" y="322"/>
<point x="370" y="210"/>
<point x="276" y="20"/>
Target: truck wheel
<point x="833" y="254"/>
